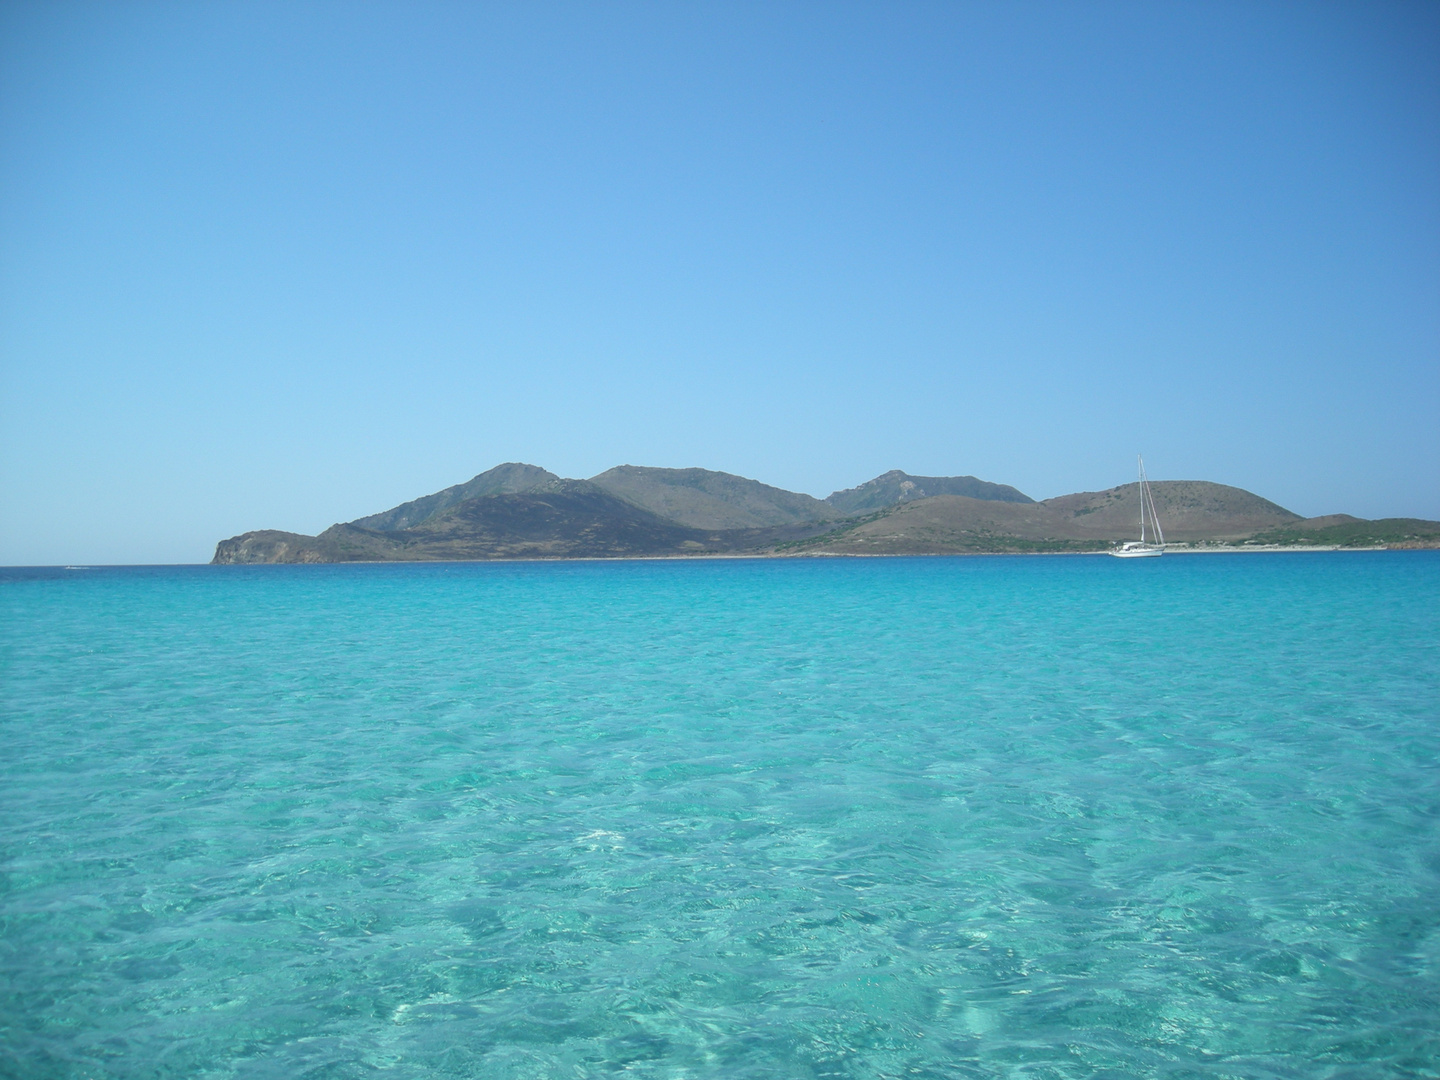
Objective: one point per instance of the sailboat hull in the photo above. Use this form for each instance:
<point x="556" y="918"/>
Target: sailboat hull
<point x="1138" y="552"/>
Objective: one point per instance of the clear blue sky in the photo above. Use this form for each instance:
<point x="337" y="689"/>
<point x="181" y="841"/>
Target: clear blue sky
<point x="280" y="265"/>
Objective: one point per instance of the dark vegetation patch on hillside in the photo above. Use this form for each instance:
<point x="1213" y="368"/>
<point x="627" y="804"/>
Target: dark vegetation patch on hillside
<point x="1384" y="532"/>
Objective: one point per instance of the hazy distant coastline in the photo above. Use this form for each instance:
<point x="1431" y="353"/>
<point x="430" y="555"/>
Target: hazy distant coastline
<point x="520" y="511"/>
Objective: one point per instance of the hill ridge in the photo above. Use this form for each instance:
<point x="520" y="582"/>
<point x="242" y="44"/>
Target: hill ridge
<point x="707" y="499"/>
<point x="522" y="511"/>
<point x="895" y="486"/>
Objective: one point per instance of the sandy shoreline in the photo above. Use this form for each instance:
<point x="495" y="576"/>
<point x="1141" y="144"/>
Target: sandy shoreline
<point x="1256" y="549"/>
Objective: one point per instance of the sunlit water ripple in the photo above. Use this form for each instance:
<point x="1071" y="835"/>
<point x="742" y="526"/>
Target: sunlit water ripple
<point x="984" y="817"/>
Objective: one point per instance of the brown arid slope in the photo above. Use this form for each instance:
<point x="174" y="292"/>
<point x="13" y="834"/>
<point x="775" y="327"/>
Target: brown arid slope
<point x="950" y="524"/>
<point x="1190" y="511"/>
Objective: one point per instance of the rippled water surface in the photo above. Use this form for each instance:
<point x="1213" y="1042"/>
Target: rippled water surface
<point x="985" y="817"/>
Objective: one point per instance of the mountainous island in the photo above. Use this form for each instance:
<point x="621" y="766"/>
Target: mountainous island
<point x="517" y="511"/>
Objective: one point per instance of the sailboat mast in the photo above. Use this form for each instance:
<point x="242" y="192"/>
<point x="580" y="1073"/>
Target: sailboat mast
<point x="1141" y="465"/>
<point x="1154" y="517"/>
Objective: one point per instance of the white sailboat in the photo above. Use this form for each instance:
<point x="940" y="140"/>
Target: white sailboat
<point x="1152" y="541"/>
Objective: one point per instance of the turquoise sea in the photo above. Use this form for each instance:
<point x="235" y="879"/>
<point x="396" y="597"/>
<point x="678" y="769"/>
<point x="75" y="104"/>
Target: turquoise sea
<point x="929" y="817"/>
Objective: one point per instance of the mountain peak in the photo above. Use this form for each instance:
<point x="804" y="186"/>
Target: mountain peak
<point x="511" y="478"/>
<point x="896" y="486"/>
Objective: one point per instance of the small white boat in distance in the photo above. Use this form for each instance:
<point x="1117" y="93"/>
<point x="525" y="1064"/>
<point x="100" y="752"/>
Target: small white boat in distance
<point x="1152" y="540"/>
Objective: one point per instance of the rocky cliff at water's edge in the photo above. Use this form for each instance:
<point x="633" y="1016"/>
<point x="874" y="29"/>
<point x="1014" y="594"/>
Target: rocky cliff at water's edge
<point x="268" y="546"/>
